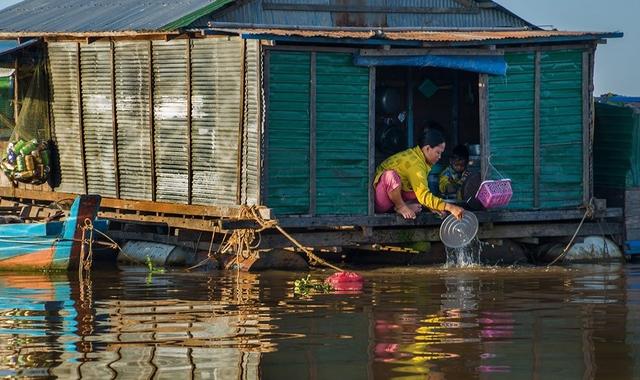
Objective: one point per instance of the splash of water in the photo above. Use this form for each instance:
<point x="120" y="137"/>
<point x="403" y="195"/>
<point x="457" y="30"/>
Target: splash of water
<point x="464" y="257"/>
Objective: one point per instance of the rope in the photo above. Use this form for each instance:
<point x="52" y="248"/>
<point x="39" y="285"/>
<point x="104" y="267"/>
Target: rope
<point x="252" y="212"/>
<point x="588" y="211"/>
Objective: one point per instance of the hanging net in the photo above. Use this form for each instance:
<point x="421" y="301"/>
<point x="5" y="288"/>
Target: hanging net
<point x="27" y="157"/>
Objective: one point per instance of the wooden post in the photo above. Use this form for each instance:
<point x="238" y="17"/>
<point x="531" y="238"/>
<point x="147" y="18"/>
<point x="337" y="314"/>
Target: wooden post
<point x="483" y="104"/>
<point x="372" y="137"/>
<point x="243" y="59"/>
<point x="260" y="123"/>
<point x="16" y="91"/>
<point x="587" y="126"/>
<point x="80" y="119"/>
<point x="189" y="132"/>
<point x="410" y="126"/>
<point x="536" y="130"/>
<point x="152" y="146"/>
<point x="312" y="136"/>
<point x="264" y="170"/>
<point x="114" y="122"/>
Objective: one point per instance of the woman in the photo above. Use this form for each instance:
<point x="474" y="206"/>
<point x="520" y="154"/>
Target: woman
<point x="401" y="180"/>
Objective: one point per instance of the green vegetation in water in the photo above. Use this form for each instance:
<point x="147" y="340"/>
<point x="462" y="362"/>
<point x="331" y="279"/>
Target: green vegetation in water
<point x="306" y="286"/>
<point x="152" y="270"/>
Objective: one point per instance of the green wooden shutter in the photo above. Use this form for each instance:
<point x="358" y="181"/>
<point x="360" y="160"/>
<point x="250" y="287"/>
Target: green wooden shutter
<point x="342" y="129"/>
<point x="288" y="132"/>
<point x="561" y="129"/>
<point x="511" y="106"/>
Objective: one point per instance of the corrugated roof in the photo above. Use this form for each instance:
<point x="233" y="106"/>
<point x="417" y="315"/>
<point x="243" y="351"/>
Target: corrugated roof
<point x="82" y="16"/>
<point x="445" y="37"/>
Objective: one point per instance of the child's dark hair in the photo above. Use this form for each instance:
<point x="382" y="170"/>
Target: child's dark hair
<point x="460" y="152"/>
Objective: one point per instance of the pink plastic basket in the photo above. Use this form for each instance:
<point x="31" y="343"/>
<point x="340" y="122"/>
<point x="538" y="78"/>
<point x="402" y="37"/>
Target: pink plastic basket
<point x="495" y="193"/>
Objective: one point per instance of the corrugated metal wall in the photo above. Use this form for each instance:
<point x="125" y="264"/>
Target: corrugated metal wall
<point x="95" y="62"/>
<point x="342" y="130"/>
<point x="132" y="85"/>
<point x="65" y="114"/>
<point x="215" y="72"/>
<point x="170" y="113"/>
<point x="287" y="174"/>
<point x="252" y="126"/>
<point x="616" y="157"/>
<point x="561" y="129"/>
<point x="151" y="86"/>
<point x="511" y="105"/>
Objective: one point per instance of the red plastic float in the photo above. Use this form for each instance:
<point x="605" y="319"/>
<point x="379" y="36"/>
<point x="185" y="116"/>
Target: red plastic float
<point x="345" y="281"/>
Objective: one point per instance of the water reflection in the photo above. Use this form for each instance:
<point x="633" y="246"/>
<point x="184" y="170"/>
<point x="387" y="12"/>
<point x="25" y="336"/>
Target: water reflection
<point x="578" y="322"/>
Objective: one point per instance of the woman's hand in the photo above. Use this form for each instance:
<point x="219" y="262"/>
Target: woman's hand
<point x="457" y="211"/>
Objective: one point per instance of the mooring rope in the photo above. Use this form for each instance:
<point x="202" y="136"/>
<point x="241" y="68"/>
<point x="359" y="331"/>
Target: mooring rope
<point x="587" y="212"/>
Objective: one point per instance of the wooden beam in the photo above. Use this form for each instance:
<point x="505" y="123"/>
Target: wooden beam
<point x="587" y="141"/>
<point x="312" y="136"/>
<point x="264" y="168"/>
<point x="152" y="144"/>
<point x="260" y="102"/>
<point x="348" y="8"/>
<point x="483" y="100"/>
<point x="412" y="52"/>
<point x="189" y="132"/>
<point x="536" y="130"/>
<point x="114" y="121"/>
<point x="83" y="157"/>
<point x="372" y="139"/>
<point x="132" y="205"/>
<point x="239" y="161"/>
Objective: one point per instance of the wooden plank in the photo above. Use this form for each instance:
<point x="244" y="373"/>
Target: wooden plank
<point x="372" y="138"/>
<point x="81" y="119"/>
<point x="243" y="62"/>
<point x="485" y="147"/>
<point x="536" y="131"/>
<point x="176" y="222"/>
<point x="152" y="132"/>
<point x="348" y="8"/>
<point x="114" y="119"/>
<point x="16" y="90"/>
<point x="312" y="135"/>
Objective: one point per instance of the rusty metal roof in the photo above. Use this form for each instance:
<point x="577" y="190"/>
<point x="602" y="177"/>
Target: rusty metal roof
<point x="425" y="36"/>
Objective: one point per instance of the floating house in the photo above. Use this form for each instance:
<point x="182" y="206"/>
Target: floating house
<point x="617" y="160"/>
<point x="181" y="113"/>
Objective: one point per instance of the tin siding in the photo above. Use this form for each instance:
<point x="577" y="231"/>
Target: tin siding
<point x="215" y="73"/>
<point x="95" y="62"/>
<point x="133" y="118"/>
<point x="342" y="109"/>
<point x="65" y="114"/>
<point x="170" y="115"/>
<point x="252" y="133"/>
<point x="511" y="120"/>
<point x="288" y="132"/>
<point x="561" y="129"/>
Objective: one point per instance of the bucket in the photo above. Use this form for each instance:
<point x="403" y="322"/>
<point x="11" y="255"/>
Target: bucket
<point x="456" y="233"/>
<point x="495" y="193"/>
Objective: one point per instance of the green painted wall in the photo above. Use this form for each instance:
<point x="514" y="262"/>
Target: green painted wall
<point x="288" y="132"/>
<point x="511" y="104"/>
<point x="616" y="157"/>
<point x="342" y="135"/>
<point x="342" y="125"/>
<point x="511" y="128"/>
<point x="561" y="129"/>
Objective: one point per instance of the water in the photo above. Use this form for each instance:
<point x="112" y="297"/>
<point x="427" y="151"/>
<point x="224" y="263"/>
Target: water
<point x="466" y="256"/>
<point x="578" y="322"/>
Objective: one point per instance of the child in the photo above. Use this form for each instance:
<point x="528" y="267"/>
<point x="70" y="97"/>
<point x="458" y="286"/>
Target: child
<point x="453" y="177"/>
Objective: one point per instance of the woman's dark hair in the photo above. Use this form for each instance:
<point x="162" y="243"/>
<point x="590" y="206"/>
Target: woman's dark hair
<point x="431" y="137"/>
<point x="460" y="152"/>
